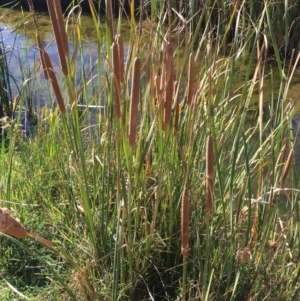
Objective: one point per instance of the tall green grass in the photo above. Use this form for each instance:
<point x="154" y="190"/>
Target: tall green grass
<point x="183" y="188"/>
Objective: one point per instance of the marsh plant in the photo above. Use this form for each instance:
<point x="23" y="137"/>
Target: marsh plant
<point x="186" y="188"/>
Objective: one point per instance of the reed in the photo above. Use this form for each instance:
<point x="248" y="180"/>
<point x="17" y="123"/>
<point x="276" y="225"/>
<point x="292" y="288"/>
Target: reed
<point x="134" y="101"/>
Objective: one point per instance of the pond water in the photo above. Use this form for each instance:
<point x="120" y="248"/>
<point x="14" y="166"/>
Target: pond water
<point x="18" y="34"/>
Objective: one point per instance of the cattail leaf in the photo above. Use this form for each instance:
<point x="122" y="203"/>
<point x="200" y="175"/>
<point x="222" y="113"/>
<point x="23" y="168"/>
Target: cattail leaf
<point x="134" y="101"/>
<point x="209" y="173"/>
<point x="168" y="85"/>
<point x="185" y="216"/>
<point x="117" y="80"/>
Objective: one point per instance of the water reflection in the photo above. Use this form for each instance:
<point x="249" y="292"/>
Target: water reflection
<point x="24" y="62"/>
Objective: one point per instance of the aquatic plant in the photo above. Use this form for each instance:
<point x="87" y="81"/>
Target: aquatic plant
<point x="174" y="195"/>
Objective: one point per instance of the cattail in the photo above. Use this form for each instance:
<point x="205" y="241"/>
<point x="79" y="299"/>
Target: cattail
<point x="168" y="86"/>
<point x="157" y="81"/>
<point x="10" y="225"/>
<point x="191" y="75"/>
<point x="134" y="101"/>
<point x="176" y="109"/>
<point x="121" y="57"/>
<point x="117" y="79"/>
<point x="54" y="83"/>
<point x="62" y="29"/>
<point x="42" y="50"/>
<point x="185" y="216"/>
<point x="59" y="36"/>
<point x="282" y="151"/>
<point x="287" y="167"/>
<point x="109" y="14"/>
<point x="209" y="173"/>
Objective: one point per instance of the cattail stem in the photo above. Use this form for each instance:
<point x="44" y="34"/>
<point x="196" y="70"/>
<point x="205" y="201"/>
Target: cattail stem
<point x="54" y="83"/>
<point x="168" y="86"/>
<point x="42" y="51"/>
<point x="209" y="174"/>
<point x="117" y="79"/>
<point x="110" y="20"/>
<point x="134" y="101"/>
<point x="176" y="109"/>
<point x="191" y="75"/>
<point x="287" y="167"/>
<point x="158" y="92"/>
<point x="185" y="217"/>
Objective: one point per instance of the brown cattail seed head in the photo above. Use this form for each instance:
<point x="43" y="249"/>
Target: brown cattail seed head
<point x="60" y="39"/>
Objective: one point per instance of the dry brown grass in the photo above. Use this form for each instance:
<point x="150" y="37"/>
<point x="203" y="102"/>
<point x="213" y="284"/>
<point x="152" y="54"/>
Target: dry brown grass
<point x="10" y="225"/>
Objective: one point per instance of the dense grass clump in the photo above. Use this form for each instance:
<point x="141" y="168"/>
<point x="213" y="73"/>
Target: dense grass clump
<point x="181" y="185"/>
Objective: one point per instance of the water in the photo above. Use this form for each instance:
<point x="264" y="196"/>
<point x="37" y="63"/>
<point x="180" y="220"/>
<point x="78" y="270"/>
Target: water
<point x="24" y="59"/>
<point x="18" y="34"/>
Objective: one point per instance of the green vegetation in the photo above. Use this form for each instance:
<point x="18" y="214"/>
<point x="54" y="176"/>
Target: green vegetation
<point x="182" y="187"/>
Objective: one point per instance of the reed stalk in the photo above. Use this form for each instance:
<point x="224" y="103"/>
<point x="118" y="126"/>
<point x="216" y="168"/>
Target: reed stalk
<point x="134" y="101"/>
